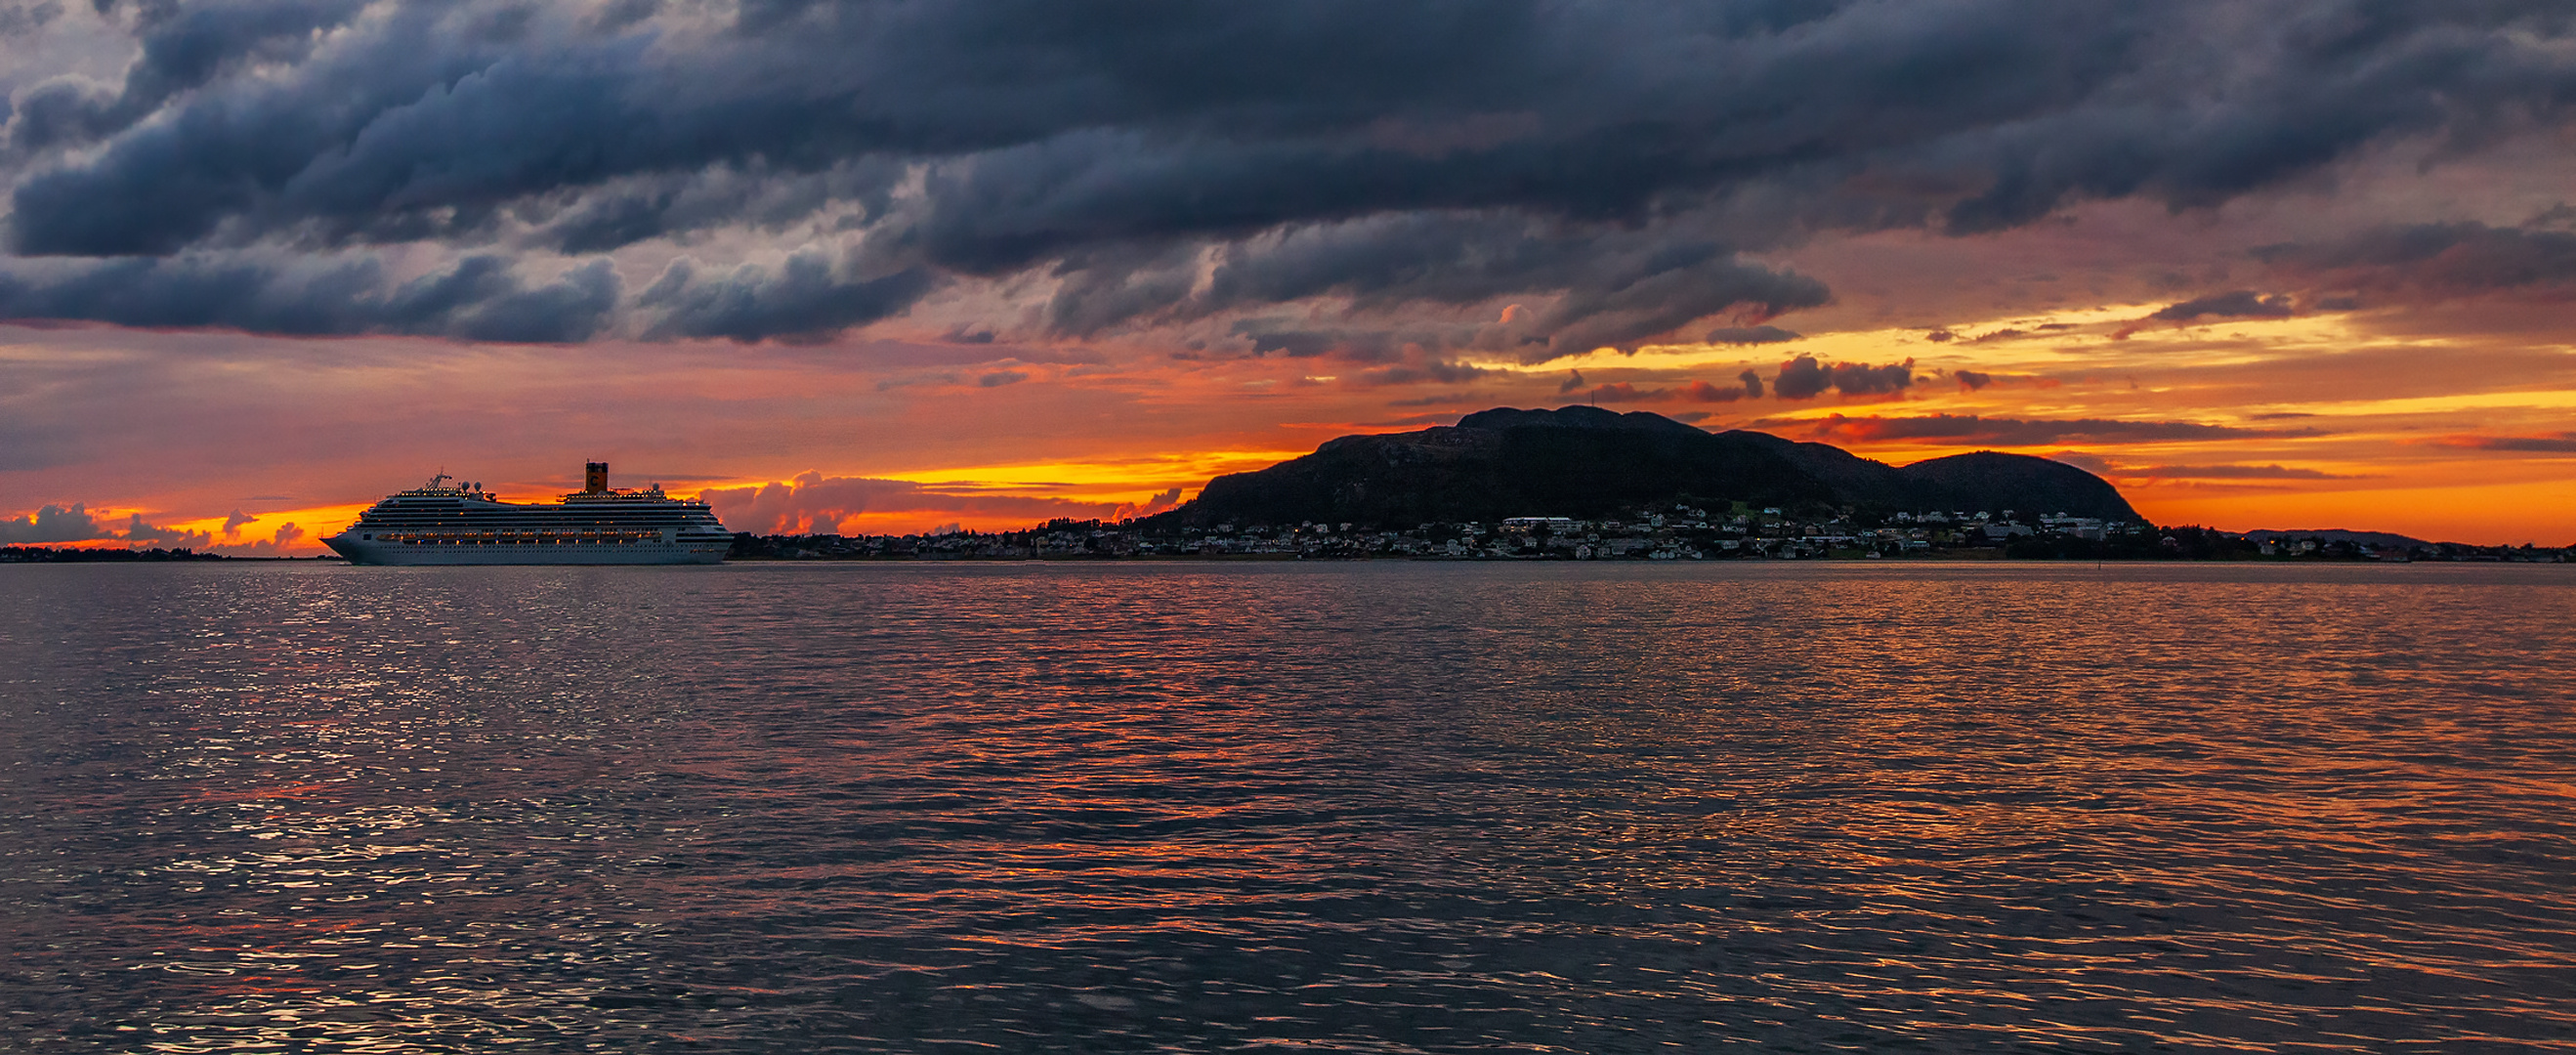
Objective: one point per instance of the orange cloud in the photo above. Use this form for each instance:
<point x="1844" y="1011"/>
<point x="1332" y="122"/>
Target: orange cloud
<point x="2562" y="443"/>
<point x="815" y="504"/>
<point x="1956" y="429"/>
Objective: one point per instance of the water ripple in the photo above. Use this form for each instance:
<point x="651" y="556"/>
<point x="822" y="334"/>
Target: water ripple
<point x="1352" y="808"/>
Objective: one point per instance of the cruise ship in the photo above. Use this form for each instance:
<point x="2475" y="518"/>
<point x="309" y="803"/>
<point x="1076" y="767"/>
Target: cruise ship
<point x="446" y="521"/>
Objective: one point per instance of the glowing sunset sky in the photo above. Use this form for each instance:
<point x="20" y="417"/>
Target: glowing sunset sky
<point x="890" y="265"/>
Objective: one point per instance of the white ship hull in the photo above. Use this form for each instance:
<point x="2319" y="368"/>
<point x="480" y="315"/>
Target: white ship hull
<point x="438" y="524"/>
<point x="398" y="553"/>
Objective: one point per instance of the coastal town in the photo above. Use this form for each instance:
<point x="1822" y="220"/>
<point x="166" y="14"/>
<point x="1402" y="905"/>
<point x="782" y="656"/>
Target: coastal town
<point x="1667" y="533"/>
<point x="1657" y="533"/>
<point x="1677" y="532"/>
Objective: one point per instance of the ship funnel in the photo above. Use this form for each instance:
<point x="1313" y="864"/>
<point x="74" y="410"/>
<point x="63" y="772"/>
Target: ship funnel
<point x="594" y="478"/>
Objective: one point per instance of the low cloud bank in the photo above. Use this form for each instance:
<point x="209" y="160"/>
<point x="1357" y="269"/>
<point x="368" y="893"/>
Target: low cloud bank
<point x="61" y="525"/>
<point x="815" y="504"/>
<point x="2024" y="432"/>
<point x="2562" y="443"/>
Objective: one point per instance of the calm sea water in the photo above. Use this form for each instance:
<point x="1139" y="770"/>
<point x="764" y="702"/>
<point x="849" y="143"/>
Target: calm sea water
<point x="1378" y="808"/>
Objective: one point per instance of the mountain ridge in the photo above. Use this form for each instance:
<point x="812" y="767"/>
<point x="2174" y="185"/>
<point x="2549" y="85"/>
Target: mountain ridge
<point x="1586" y="462"/>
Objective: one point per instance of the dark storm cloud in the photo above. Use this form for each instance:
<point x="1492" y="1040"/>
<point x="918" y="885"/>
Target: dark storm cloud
<point x="2239" y="304"/>
<point x="1612" y="286"/>
<point x="1748" y="386"/>
<point x="804" y="300"/>
<point x="1608" y="163"/>
<point x="19" y="17"/>
<point x="1296" y="344"/>
<point x="1623" y="392"/>
<point x="1749" y="335"/>
<point x="1392" y="357"/>
<point x="1800" y="378"/>
<point x="1806" y="378"/>
<point x="1423" y="369"/>
<point x="480" y="298"/>
<point x="181" y="48"/>
<point x="2437" y="260"/>
<point x="1972" y="380"/>
<point x="1854" y="379"/>
<point x="758" y="195"/>
<point x="2017" y="432"/>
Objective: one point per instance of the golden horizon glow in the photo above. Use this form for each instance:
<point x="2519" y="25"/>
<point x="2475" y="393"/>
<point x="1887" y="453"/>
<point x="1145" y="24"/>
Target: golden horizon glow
<point x="2443" y="422"/>
<point x="1123" y="479"/>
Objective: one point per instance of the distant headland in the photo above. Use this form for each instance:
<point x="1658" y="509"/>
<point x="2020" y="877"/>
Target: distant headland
<point x="1589" y="464"/>
<point x="1583" y="483"/>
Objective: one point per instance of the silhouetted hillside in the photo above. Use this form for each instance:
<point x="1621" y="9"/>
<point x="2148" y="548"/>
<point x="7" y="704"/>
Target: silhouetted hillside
<point x="1590" y="463"/>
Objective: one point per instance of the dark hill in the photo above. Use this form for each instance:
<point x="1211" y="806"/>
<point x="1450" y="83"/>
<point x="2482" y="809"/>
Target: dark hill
<point x="1506" y="418"/>
<point x="1995" y="480"/>
<point x="1588" y="463"/>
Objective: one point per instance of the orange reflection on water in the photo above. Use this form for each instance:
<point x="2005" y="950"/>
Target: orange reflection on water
<point x="1472" y="806"/>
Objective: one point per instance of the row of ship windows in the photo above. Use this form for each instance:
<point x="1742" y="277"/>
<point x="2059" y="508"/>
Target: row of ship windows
<point x="431" y="518"/>
<point x="457" y="531"/>
<point x="603" y="538"/>
<point x="431" y="509"/>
